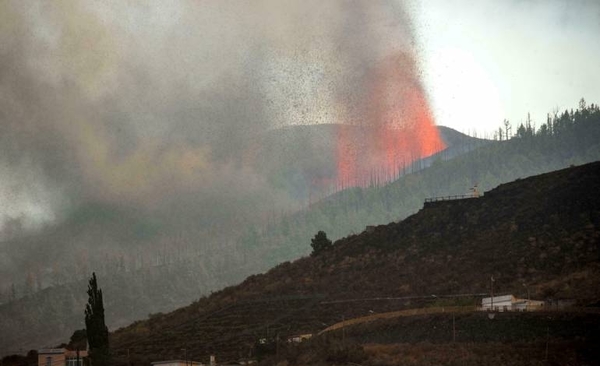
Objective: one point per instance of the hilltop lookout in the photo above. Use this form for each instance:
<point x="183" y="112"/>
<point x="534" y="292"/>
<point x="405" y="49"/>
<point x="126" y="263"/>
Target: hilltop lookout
<point x="432" y="200"/>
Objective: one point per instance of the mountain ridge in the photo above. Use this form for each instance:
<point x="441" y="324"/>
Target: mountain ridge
<point x="447" y="249"/>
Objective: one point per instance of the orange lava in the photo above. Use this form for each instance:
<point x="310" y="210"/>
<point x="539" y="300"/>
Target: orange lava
<point x="398" y="127"/>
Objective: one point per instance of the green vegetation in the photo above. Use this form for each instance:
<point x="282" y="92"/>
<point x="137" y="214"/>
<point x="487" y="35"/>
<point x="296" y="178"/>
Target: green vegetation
<point x="565" y="139"/>
<point x="31" y="359"/>
<point x="320" y="243"/>
<point x="96" y="330"/>
<point x="78" y="340"/>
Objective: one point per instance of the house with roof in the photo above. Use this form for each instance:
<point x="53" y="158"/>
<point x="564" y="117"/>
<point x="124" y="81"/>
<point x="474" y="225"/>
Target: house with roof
<point x="510" y="303"/>
<point x="62" y="357"/>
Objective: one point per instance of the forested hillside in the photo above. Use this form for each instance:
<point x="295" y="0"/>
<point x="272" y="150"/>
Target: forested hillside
<point x="570" y="138"/>
<point x="109" y="237"/>
<point x="147" y="264"/>
<point x="172" y="267"/>
<point x="536" y="237"/>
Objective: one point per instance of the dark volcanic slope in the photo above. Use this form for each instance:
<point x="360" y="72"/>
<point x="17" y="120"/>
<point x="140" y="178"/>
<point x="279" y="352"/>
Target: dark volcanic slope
<point x="542" y="232"/>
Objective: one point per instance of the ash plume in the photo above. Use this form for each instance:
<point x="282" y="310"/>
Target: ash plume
<point x="159" y="104"/>
<point x="137" y="136"/>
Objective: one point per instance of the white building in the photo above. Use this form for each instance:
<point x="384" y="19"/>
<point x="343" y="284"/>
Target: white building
<point x="299" y="338"/>
<point x="177" y="363"/>
<point x="510" y="303"/>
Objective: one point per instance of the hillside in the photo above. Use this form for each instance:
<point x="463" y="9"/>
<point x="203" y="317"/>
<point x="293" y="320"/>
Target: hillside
<point x="302" y="159"/>
<point x="465" y="338"/>
<point x="539" y="234"/>
<point x="158" y="263"/>
<point x="99" y="235"/>
<point x="151" y="262"/>
<point x="569" y="138"/>
<point x="180" y="259"/>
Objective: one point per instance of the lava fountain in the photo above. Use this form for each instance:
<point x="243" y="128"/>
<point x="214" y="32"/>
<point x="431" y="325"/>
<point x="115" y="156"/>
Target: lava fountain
<point x="397" y="129"/>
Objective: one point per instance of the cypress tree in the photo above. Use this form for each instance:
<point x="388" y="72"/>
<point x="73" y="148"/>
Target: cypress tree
<point x="97" y="332"/>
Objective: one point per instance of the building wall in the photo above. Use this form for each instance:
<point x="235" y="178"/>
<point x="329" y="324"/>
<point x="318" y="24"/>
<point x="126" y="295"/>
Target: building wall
<point x="500" y="303"/>
<point x="511" y="303"/>
<point x="51" y="359"/>
<point x="59" y="357"/>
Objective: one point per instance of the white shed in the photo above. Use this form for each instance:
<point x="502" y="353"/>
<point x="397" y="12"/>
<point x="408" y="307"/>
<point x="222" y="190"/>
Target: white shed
<point x="501" y="303"/>
<point x="510" y="303"/>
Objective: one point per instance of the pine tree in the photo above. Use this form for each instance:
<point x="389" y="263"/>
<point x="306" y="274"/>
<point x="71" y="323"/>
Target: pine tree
<point x="96" y="330"/>
<point x="320" y="243"/>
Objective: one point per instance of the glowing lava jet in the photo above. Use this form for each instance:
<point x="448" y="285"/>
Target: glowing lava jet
<point x="397" y="129"/>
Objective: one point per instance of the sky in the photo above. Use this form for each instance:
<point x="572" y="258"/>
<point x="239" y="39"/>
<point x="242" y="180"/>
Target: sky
<point x="156" y="103"/>
<point x="483" y="61"/>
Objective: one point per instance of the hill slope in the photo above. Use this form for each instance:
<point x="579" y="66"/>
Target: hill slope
<point x="542" y="231"/>
<point x="152" y="263"/>
<point x="575" y="139"/>
<point x="156" y="266"/>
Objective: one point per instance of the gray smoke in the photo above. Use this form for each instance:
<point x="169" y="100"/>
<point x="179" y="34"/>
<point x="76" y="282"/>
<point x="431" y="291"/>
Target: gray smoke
<point x="144" y="103"/>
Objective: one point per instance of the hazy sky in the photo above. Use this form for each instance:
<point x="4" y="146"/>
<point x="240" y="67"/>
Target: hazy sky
<point x="483" y="61"/>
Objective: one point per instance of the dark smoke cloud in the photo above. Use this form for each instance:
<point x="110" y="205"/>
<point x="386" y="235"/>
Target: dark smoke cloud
<point x="142" y="104"/>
